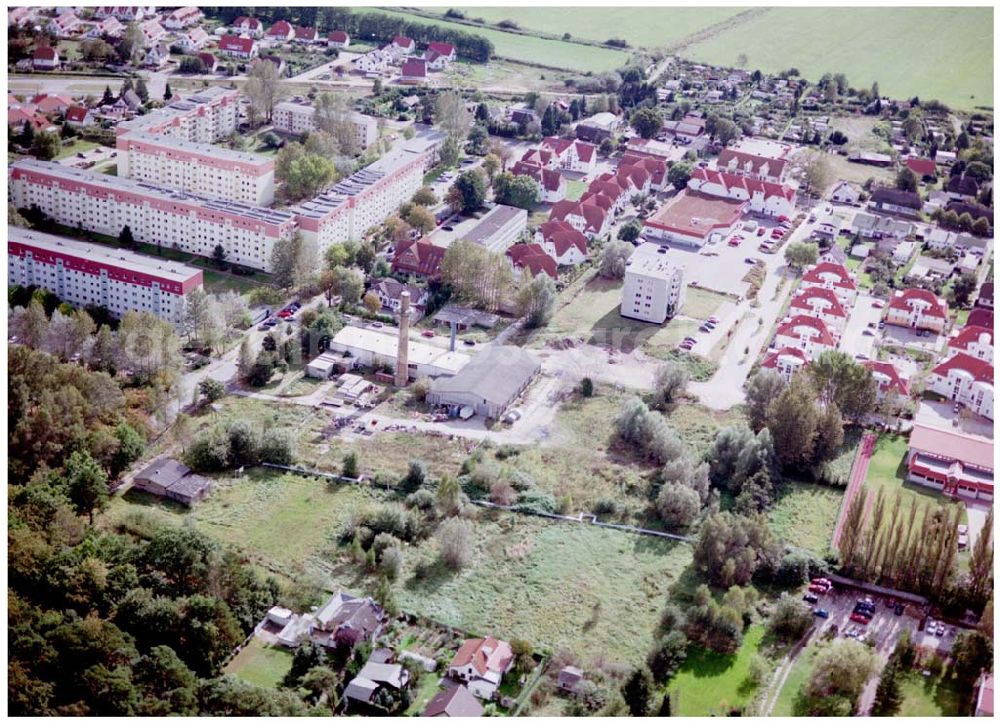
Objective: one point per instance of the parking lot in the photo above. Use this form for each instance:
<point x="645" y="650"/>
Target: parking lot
<point x="912" y="338"/>
<point x="861" y="331"/>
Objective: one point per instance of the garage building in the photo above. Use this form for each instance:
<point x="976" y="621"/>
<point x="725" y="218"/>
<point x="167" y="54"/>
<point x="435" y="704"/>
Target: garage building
<point x="368" y="348"/>
<point x="489" y="383"/>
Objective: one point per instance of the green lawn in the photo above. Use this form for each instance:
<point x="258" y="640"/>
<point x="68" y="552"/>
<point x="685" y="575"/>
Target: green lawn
<point x="261" y="664"/>
<point x="929" y="697"/>
<point x="649" y="27"/>
<point x="713" y="684"/>
<point x="700" y="303"/>
<point x="805" y="515"/>
<point x="554" y="53"/>
<point x="575" y="189"/>
<point x="78" y="145"/>
<point x="887" y="472"/>
<point x="427" y="688"/>
<point x="785" y="705"/>
<point x="888" y="45"/>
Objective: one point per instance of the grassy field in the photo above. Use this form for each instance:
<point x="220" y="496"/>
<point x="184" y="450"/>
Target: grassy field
<point x="713" y="684"/>
<point x="786" y="704"/>
<point x="646" y="26"/>
<point x="929" y="697"/>
<point x="890" y="45"/>
<point x="261" y="664"/>
<point x="887" y="472"/>
<point x="554" y="53"/>
<point x="700" y="304"/>
<point x="78" y="145"/>
<point x="805" y="515"/>
<point x="575" y="189"/>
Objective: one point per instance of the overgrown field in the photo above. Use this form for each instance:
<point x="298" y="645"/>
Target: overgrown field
<point x="934" y="53"/>
<point x="806" y="514"/>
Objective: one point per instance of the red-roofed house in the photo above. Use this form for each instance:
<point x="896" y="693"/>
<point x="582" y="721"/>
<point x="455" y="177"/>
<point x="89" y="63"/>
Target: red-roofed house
<point x="981" y="317"/>
<point x="834" y="277"/>
<point x="439" y="55"/>
<point x="421" y="258"/>
<point x="917" y="308"/>
<point x="656" y="168"/>
<point x="182" y="18"/>
<point x="481" y="665"/>
<point x="585" y="217"/>
<point x="414" y="71"/>
<point x="249" y="25"/>
<point x="306" y="35"/>
<point x="280" y="31"/>
<point x="966" y="380"/>
<point x="20" y="114"/>
<point x="564" y="243"/>
<point x="193" y="40"/>
<point x="808" y="334"/>
<point x="65" y="25"/>
<point x="338" y="39"/>
<point x="551" y="184"/>
<point x="79" y="116"/>
<point x="787" y="361"/>
<point x="531" y="257"/>
<point x="888" y="378"/>
<point x="922" y="167"/>
<point x="236" y="47"/>
<point x="766" y="198"/>
<point x="152" y="32"/>
<point x="45" y="58"/>
<point x="110" y="26"/>
<point x="951" y="461"/>
<point x="52" y="103"/>
<point x="209" y="61"/>
<point x="751" y="165"/>
<point x="125" y="12"/>
<point x="573" y="154"/>
<point x="402" y="46"/>
<point x="822" y="303"/>
<point x="976" y="341"/>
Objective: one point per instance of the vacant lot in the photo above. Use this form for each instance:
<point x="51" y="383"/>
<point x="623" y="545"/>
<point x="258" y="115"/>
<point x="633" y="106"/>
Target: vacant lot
<point x="646" y="27"/>
<point x="710" y="683"/>
<point x="888" y="45"/>
<point x="805" y="515"/>
<point x="554" y="53"/>
<point x="261" y="664"/>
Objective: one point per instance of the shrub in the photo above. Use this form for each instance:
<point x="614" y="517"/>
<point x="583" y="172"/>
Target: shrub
<point x="537" y="501"/>
<point x="678" y="505"/>
<point x="502" y="493"/>
<point x="422" y="500"/>
<point x="507" y="451"/>
<point x="277" y="447"/>
<point x="454" y="538"/>
<point x="521" y="481"/>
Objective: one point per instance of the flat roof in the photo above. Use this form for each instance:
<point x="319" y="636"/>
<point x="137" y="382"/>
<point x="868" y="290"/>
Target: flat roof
<point x="694" y="213"/>
<point x="762" y="147"/>
<point x="491" y="223"/>
<point x="180" y="107"/>
<point x="54" y="169"/>
<point x="118" y="257"/>
<point x="653" y="261"/>
<point x="384" y="345"/>
<point x="208" y="150"/>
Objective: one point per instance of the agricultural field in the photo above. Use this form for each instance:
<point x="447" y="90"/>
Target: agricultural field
<point x="553" y="53"/>
<point x="260" y="664"/>
<point x="644" y="27"/>
<point x="888" y="45"/>
<point x="713" y="684"/>
<point x="805" y="515"/>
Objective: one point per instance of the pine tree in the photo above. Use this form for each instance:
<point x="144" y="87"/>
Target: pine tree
<point x="126" y="238"/>
<point x="852" y="532"/>
<point x="108" y="98"/>
<point x="887" y="695"/>
<point x="141" y="91"/>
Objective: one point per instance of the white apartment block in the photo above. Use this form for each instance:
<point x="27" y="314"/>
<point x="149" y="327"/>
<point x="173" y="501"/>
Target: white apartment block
<point x="966" y="380"/>
<point x="369" y="196"/>
<point x="205" y="117"/>
<point x="105" y="204"/>
<point x="85" y="274"/>
<point x="298" y="119"/>
<point x="202" y="169"/>
<point x="654" y="285"/>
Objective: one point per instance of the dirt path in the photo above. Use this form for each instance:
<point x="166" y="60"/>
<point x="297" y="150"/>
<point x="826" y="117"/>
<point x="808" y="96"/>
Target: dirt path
<point x="859" y="471"/>
<point x="682" y="44"/>
<point x="781" y="674"/>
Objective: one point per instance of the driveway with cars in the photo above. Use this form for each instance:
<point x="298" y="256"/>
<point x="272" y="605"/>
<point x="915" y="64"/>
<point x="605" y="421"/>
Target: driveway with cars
<point x="861" y="332"/>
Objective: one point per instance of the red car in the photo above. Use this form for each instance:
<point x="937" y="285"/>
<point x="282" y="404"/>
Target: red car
<point x="819" y="588"/>
<point x="760" y="231"/>
<point x="427" y="334"/>
<point x="860" y="618"/>
<point x="734" y="242"/>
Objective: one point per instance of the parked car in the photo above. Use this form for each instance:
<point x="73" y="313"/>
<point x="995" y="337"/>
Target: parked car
<point x="878" y="304"/>
<point x="939" y="632"/>
<point x="899" y="609"/>
<point x="713" y="320"/>
<point x="811" y="598"/>
<point x="376" y="324"/>
<point x="821" y="613"/>
<point x="427" y="334"/>
<point x="469" y="342"/>
<point x="860" y="618"/>
<point x="760" y="231"/>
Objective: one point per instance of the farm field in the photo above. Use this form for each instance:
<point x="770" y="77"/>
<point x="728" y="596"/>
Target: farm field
<point x="806" y="514"/>
<point x="710" y="683"/>
<point x="260" y="664"/>
<point x="554" y="53"/>
<point x="888" y="45"/>
<point x="645" y="27"/>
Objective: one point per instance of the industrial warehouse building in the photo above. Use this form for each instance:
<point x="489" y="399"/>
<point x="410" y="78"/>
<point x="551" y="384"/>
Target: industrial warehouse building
<point x="490" y="383"/>
<point x="370" y="348"/>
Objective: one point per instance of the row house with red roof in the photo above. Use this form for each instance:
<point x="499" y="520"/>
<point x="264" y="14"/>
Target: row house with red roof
<point x="833" y="277"/>
<point x="572" y="154"/>
<point x="65" y="25"/>
<point x="755" y="166"/>
<point x="562" y="242"/>
<point x="966" y="380"/>
<point x="109" y="26"/>
<point x="976" y="341"/>
<point x="251" y="26"/>
<point x="787" y="361"/>
<point x="887" y="378"/>
<point x="806" y="333"/>
<point x="280" y="32"/>
<point x="234" y="46"/>
<point x="821" y="303"/>
<point x="18" y="115"/>
<point x="917" y="308"/>
<point x="532" y="259"/>
<point x="551" y="184"/>
<point x="125" y="13"/>
<point x="655" y="168"/>
<point x="86" y="274"/>
<point x="152" y="32"/>
<point x="182" y="18"/>
<point x="52" y="103"/>
<point x="766" y="198"/>
<point x="586" y="217"/>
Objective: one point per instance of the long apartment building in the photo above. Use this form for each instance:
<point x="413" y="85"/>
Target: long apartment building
<point x="369" y="196"/>
<point x="85" y="274"/>
<point x="204" y="117"/>
<point x="105" y="204"/>
<point x="202" y="169"/>
<point x="296" y="118"/>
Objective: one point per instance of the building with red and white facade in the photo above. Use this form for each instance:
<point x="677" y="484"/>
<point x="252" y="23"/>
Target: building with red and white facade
<point x="105" y="204"/>
<point x="204" y="117"/>
<point x="202" y="169"/>
<point x="280" y="31"/>
<point x="193" y="40"/>
<point x="766" y="198"/>
<point x="888" y="378"/>
<point x="152" y="32"/>
<point x="531" y="259"/>
<point x="338" y="39"/>
<point x="821" y="303"/>
<point x="45" y="58"/>
<point x="87" y="274"/>
<point x="235" y="46"/>
<point x="966" y="380"/>
<point x="694" y="219"/>
<point x="182" y="18"/>
<point x="421" y="258"/>
<point x="834" y="277"/>
<point x="787" y="361"/>
<point x="564" y="243"/>
<point x="952" y="462"/>
<point x="976" y="341"/>
<point x="806" y="333"/>
<point x="251" y="26"/>
<point x="125" y="13"/>
<point x="109" y="26"/>
<point x="438" y="55"/>
<point x="584" y="216"/>
<point x="296" y="118"/>
<point x="917" y="308"/>
<point x="551" y="184"/>
<point x="572" y="154"/>
<point x="655" y="168"/>
<point x="758" y="158"/>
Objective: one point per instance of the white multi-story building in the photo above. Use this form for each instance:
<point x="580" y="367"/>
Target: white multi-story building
<point x="654" y="285"/>
<point x="294" y="118"/>
<point x="204" y="117"/>
<point x="87" y="274"/>
<point x="766" y="198"/>
<point x="202" y="169"/>
<point x="967" y="380"/>
<point x="369" y="196"/>
<point x="105" y="204"/>
<point x="805" y="333"/>
<point x="976" y="341"/>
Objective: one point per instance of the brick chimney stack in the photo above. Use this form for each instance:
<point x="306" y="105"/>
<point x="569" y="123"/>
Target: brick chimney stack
<point x="403" y="348"/>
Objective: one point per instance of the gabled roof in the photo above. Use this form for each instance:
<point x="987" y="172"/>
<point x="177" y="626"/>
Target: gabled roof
<point x="980" y="370"/>
<point x="842" y="277"/>
<point x="421" y="257"/>
<point x="251" y="23"/>
<point x="454" y="701"/>
<point x="443" y="49"/>
<point x="236" y="44"/>
<point x="45" y="53"/>
<point x="980" y="317"/>
<point x="900" y="198"/>
<point x="48" y="103"/>
<point x="281" y="29"/>
<point x="951" y="445"/>
<point x="656" y="168"/>
<point x="77" y="113"/>
<point x="415" y="68"/>
<point x="903" y="300"/>
<point x="890" y="379"/>
<point x="922" y="167"/>
<point x="208" y="59"/>
<point x="736" y="181"/>
<point x="775" y="167"/>
<point x="833" y="308"/>
<point x="484" y="655"/>
<point x="970" y="335"/>
<point x="338" y="36"/>
<point x="593" y="215"/>
<point x="303" y="33"/>
<point x="821" y="334"/>
<point x="401" y="41"/>
<point x="772" y="359"/>
<point x="530" y="256"/>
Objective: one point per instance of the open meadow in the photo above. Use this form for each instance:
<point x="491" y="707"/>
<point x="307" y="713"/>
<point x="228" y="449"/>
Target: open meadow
<point x="713" y="684"/>
<point x="805" y="515"/>
<point x="934" y="53"/>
